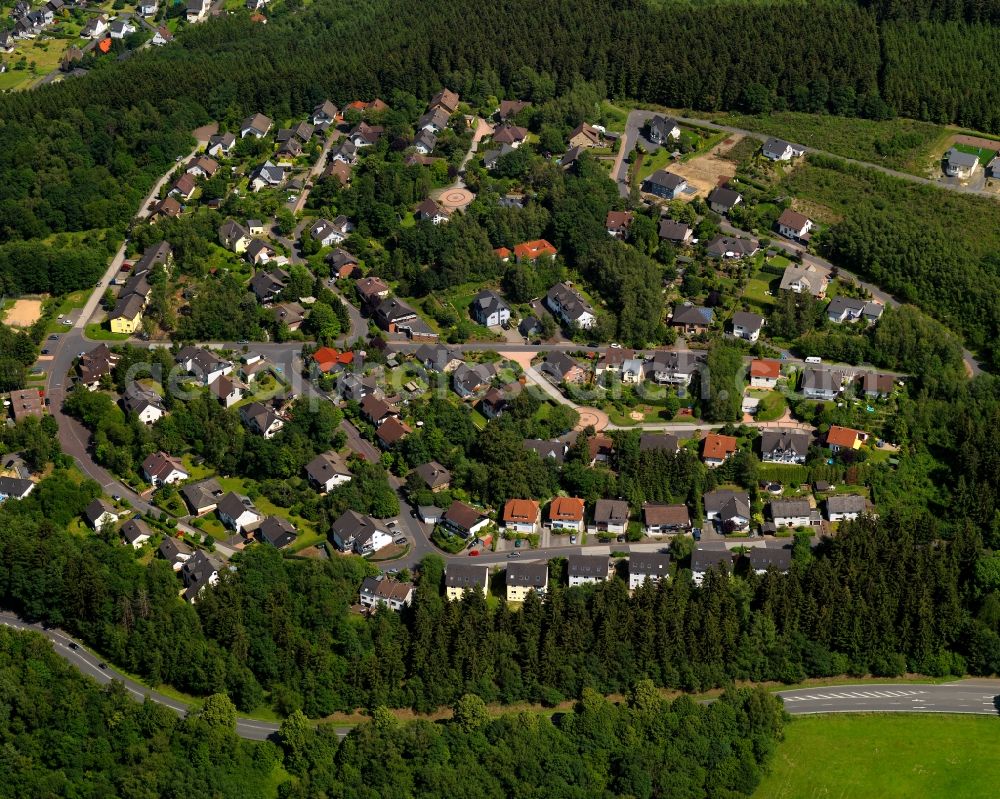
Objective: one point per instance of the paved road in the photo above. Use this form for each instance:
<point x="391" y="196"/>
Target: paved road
<point x="978" y="696"/>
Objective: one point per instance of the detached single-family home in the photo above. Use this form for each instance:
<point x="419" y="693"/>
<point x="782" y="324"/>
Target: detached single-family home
<point x="203" y="497"/>
<point x="325" y="114"/>
<point x="328" y="470"/>
<point x="99" y="513"/>
<point x="778" y="150"/>
<point x="617" y="224"/>
<point x="727" y="247"/>
<point x="464" y="520"/>
<point x="717" y="448"/>
<point x="261" y="420"/>
<point x="876" y="386"/>
<point x="430" y="211"/>
<point x="845" y="507"/>
<point x="838" y="438"/>
<point x="160" y="469"/>
<point x="610" y="516"/>
<point x="277" y="532"/>
<point x="665" y="184"/>
<point x="659" y="442"/>
<point x="670" y="367"/>
<point x="510" y="108"/>
<point x="521" y="516"/>
<point x="342" y="263"/>
<point x="849" y="309"/>
<point x="226" y="390"/>
<point x="268" y="284"/>
<point x="203" y="167"/>
<point x="960" y="165"/>
<point x="372" y="290"/>
<point x="425" y="141"/>
<point x="523" y="578"/>
<point x="612" y="360"/>
<point x="121" y="28"/>
<point x="531" y="251"/>
<point x="198" y="572"/>
<point x="821" y="384"/>
<point x="677" y="233"/>
<point x="445" y="99"/>
<point x="365" y="135"/>
<point x="662" y="130"/>
<point x="220" y="143"/>
<point x="383" y="592"/>
<point x="126" y="316"/>
<point x="651" y="566"/>
<point x="764" y="373"/>
<point x="237" y="513"/>
<point x="462" y="577"/>
<point x="692" y="319"/>
<point x="267" y="175"/>
<point x="15" y="488"/>
<point x="705" y="558"/>
<point x="763" y="559"/>
<point x="136" y="532"/>
<point x="804" y="278"/>
<point x="358" y="532"/>
<point x="723" y="200"/>
<point x="260" y="252"/>
<point x="434" y="476"/>
<point x="203" y="364"/>
<point x="489" y="309"/>
<point x="588" y="569"/>
<point x="730" y="509"/>
<point x="790" y="512"/>
<point x="661" y="519"/>
<point x="747" y="325"/>
<point x="174" y="552"/>
<point x="559" y="367"/>
<point x="784" y="446"/>
<point x="566" y="514"/>
<point x="584" y="135"/>
<point x="95" y="28"/>
<point x="256" y="125"/>
<point x="546" y="449"/>
<point x="795" y="226"/>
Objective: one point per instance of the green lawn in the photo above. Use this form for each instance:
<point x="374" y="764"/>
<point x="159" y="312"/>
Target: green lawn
<point x="886" y="756"/>
<point x="99" y="332"/>
<point x="268" y="508"/>
<point x="772" y="406"/>
<point x="757" y="289"/>
<point x="651" y="162"/>
<point x="985" y="155"/>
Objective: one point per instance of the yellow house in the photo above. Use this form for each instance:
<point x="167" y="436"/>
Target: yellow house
<point x="127" y="315"/>
<point x="523" y="578"/>
<point x="462" y="577"/>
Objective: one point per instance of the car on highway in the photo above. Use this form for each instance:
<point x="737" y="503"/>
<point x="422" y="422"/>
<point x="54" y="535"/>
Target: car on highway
<point x="514" y="555"/>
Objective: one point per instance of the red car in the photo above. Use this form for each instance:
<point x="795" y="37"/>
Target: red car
<point x="474" y="553"/>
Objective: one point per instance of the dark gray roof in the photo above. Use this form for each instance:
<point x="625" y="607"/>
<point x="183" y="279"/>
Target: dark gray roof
<point x="202" y="494"/>
<point x="703" y="558"/>
<point x="666" y="179"/>
<point x="958" y="158"/>
<point x="171" y="547"/>
<point x="846" y="503"/>
<point x="674" y="231"/>
<point x="776" y="442"/>
<point x="611" y="511"/>
<point x="276" y="532"/>
<point x="466" y="575"/>
<point x="547" y="449"/>
<point x="15" y="487"/>
<point x="771" y="557"/>
<point x="649" y="442"/>
<point x="96" y="509"/>
<point x="654" y="564"/>
<point x="747" y="320"/>
<point x="724" y="500"/>
<point x="530" y="575"/>
<point x="724" y="197"/>
<point x="787" y="508"/>
<point x="587" y="566"/>
<point x="692" y="315"/>
<point x="134" y="529"/>
<point x="433" y="474"/>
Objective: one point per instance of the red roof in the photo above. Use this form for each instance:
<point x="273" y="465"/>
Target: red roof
<point x="520" y="510"/>
<point x="502" y="252"/>
<point x="327" y="357"/>
<point x="530" y="250"/>
<point x="841" y="437"/>
<point x="567" y="509"/>
<point x="718" y="447"/>
<point x="769" y="369"/>
<point x="104" y="45"/>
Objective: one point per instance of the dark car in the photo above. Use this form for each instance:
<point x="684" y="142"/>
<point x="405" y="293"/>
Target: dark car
<point x="73" y="646"/>
<point x="54" y="337"/>
<point x="514" y="555"/>
<point x="401" y="540"/>
<point x="45" y="352"/>
<point x="102" y="665"/>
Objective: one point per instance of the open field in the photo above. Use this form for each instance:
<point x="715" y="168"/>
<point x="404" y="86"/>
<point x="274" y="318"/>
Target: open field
<point x="23" y="313"/>
<point x="886" y="756"/>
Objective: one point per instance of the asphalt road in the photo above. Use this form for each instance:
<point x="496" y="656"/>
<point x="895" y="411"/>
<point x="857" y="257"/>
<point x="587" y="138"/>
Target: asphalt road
<point x="978" y="696"/>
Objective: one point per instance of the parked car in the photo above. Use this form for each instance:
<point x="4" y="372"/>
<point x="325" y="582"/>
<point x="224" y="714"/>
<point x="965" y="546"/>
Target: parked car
<point x="401" y="540"/>
<point x="572" y="539"/>
<point x="473" y="553"/>
<point x="514" y="555"/>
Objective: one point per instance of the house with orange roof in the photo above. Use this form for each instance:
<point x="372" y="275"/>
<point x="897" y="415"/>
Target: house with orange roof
<point x="521" y="516"/>
<point x="533" y="250"/>
<point x="838" y="438"/>
<point x="503" y="254"/>
<point x="329" y="359"/>
<point x="764" y="374"/>
<point x="716" y="448"/>
<point x="566" y="514"/>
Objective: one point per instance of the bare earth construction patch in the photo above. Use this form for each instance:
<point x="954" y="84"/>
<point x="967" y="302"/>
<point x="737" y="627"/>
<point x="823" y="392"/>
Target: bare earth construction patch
<point x="23" y="313"/>
<point x="704" y="172"/>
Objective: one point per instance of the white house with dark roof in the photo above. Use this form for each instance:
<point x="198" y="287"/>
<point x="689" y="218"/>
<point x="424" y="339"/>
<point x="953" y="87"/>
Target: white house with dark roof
<point x="780" y="150"/>
<point x="747" y="326"/>
<point x="958" y="164"/>
<point x="136" y="533"/>
<point x="588" y="569"/>
<point x="795" y="226"/>
<point x="651" y="566"/>
<point x="722" y="200"/>
<point x="99" y="513"/>
<point x="570" y="306"/>
<point x="238" y="513"/>
<point x="665" y="184"/>
<point x="845" y="507"/>
<point x="663" y="130"/>
<point x="328" y="470"/>
<point x="704" y="558"/>
<point x="160" y="469"/>
<point x="489" y="309"/>
<point x="784" y="446"/>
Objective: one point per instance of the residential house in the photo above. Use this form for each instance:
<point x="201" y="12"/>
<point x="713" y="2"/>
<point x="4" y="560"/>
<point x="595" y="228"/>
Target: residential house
<point x="511" y="135"/>
<point x="588" y="569"/>
<point x="393" y="314"/>
<point x="662" y="519"/>
<point x="840" y="438"/>
<point x="764" y="559"/>
<point x="497" y="400"/>
<point x="993" y="168"/>
<point x="489" y="310"/>
<point x="429" y="514"/>
<point x="136" y="533"/>
<point x="958" y="164"/>
<point x="425" y="142"/>
<point x="383" y="592"/>
<point x="120" y="28"/>
<point x="430" y="211"/>
<point x="600" y="448"/>
<point x="730" y="509"/>
<point x="289" y="314"/>
<point x="204" y="365"/>
<point x="261" y="420"/>
<point x="747" y="326"/>
<point x="439" y="358"/>
<point x="669" y="367"/>
<point x="677" y="233"/>
<point x="126" y="316"/>
<point x="659" y="442"/>
<point x="610" y="516"/>
<point x="779" y="150"/>
<point x="651" y="566"/>
<point x="434" y="121"/>
<point x="95" y="28"/>
<point x="155" y="255"/>
<point x="531" y="251"/>
<point x="97" y="364"/>
<point x="175" y="552"/>
<point x="328" y="470"/>
<point x="876" y="386"/>
<point x="256" y="125"/>
<point x="784" y="446"/>
<point x="722" y="200"/>
<point x="267" y="175"/>
<point x="202" y="497"/>
<point x="804" y="278"/>
<point x="345" y="153"/>
<point x="196" y="10"/>
<point x="795" y="226"/>
<point x="521" y="516"/>
<point x="571" y="156"/>
<point x="268" y="284"/>
<point x="288" y="152"/>
<point x="612" y="360"/>
<point x="462" y="577"/>
<point x="523" y="578"/>
<point x="491" y="158"/>
<point x="365" y="135"/>
<point x="584" y="136"/>
<point x="203" y="167"/>
<point x="360" y="533"/>
<point x="434" y="476"/>
<point x="848" y="309"/>
<point x="464" y="520"/>
<point x="100" y="513"/>
<point x="633" y="371"/>
<point x="233" y="236"/>
<point x="717" y="448"/>
<point x="277" y="532"/>
<point x="546" y="449"/>
<point x="617" y="224"/>
<point x="220" y="143"/>
<point x="560" y="368"/>
<point x="325" y="114"/>
<point x="665" y="184"/>
<point x="392" y="432"/>
<point x="342" y="263"/>
<point x="511" y="108"/>
<point x="663" y="130"/>
<point x="226" y="390"/>
<point x="198" y="572"/>
<point x="260" y="253"/>
<point x="764" y="373"/>
<point x="845" y="507"/>
<point x="161" y="469"/>
<point x="821" y="384"/>
<point x="372" y="290"/>
<point x="328" y="233"/>
<point x="570" y="306"/>
<point x="164" y="36"/>
<point x="705" y="558"/>
<point x="445" y="99"/>
<point x="692" y="319"/>
<point x="25" y="402"/>
<point x="376" y="410"/>
<point x="728" y="247"/>
<point x="328" y="359"/>
<point x="237" y="513"/>
<point x="790" y="512"/>
<point x="15" y="488"/>
<point x="566" y="514"/>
